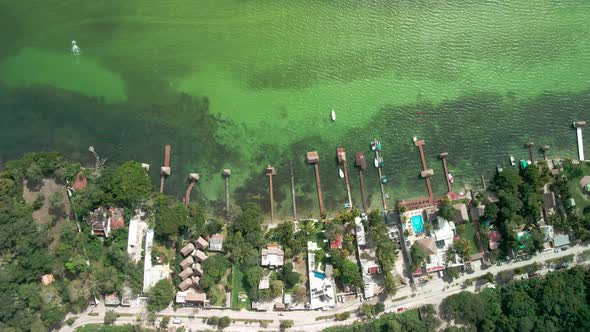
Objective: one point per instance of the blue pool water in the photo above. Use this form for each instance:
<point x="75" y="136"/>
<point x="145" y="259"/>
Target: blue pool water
<point x="417" y="224"/>
<point x="319" y="275"/>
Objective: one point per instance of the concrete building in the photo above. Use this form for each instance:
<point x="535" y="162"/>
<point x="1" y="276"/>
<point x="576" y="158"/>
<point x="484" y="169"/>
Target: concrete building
<point x="272" y="256"/>
<point x="216" y="242"/>
<point x="137" y="231"/>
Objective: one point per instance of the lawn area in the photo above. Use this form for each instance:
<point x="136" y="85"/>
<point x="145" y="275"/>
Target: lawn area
<point x="238" y="290"/>
<point x="469" y="234"/>
<point x="574" y="173"/>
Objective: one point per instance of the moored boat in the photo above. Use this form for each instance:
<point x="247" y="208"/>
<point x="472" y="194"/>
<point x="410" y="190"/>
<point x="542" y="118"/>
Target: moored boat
<point x="376" y="162"/>
<point x="451" y="179"/>
<point x="340" y="173"/>
<point x="512" y="161"/>
<point x="333" y="115"/>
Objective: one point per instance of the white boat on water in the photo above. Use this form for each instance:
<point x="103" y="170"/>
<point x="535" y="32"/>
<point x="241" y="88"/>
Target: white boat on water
<point x="333" y="115"/>
<point x="340" y="173"/>
<point x="512" y="161"/>
<point x="376" y="162"/>
<point x="451" y="179"/>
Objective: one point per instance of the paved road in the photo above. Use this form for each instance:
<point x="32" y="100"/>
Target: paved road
<point x="431" y="293"/>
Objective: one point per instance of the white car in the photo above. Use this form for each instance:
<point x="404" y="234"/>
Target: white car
<point x="177" y="321"/>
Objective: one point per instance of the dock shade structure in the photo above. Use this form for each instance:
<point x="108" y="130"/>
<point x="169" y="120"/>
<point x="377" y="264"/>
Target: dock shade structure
<point x="270" y="172"/>
<point x="193" y="179"/>
<point x="165" y="170"/>
<point x="313" y="158"/>
<point x="361" y="164"/>
<point x="579" y="125"/>
<point x="226" y="174"/>
<point x="341" y="154"/>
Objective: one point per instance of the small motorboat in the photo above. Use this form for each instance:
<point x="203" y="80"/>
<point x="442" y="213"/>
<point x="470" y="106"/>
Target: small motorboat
<point x="378" y="145"/>
<point x="451" y="179"/>
<point x="512" y="161"/>
<point x="499" y="168"/>
<point x="380" y="161"/>
<point x="374" y="145"/>
<point x="383" y="179"/>
<point x="333" y="115"/>
<point x="376" y="162"/>
<point x="341" y="173"/>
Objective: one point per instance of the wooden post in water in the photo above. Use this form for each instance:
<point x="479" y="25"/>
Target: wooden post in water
<point x="313" y="158"/>
<point x="226" y="175"/>
<point x="293" y="191"/>
<point x="270" y="172"/>
<point x="165" y="170"/>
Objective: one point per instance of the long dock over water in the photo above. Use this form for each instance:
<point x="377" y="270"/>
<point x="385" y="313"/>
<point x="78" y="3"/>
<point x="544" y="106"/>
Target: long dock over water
<point x="165" y="170"/>
<point x="342" y="161"/>
<point x="579" y="125"/>
<point x="426" y="173"/>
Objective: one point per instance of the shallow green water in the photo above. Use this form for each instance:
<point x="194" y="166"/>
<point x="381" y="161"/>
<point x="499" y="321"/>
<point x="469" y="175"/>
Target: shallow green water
<point x="474" y="78"/>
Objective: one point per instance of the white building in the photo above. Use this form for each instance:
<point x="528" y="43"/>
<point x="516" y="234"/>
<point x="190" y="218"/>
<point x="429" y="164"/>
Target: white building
<point x="137" y="230"/>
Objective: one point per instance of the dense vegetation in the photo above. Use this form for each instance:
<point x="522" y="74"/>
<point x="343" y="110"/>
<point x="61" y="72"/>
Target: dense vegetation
<point x="558" y="302"/>
<point x="569" y="219"/>
<point x="83" y="265"/>
<point x="518" y="208"/>
<point x="419" y="320"/>
<point x="385" y="249"/>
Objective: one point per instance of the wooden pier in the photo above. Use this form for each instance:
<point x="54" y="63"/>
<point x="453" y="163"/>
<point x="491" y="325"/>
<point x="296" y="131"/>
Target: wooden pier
<point x="313" y="158"/>
<point x="293" y="191"/>
<point x="226" y="174"/>
<point x="342" y="162"/>
<point x="165" y="170"/>
<point x="579" y="125"/>
<point x="361" y="164"/>
<point x="531" y="146"/>
<point x="426" y="173"/>
<point x="381" y="182"/>
<point x="545" y="148"/>
<point x="270" y="172"/>
<point x="193" y="178"/>
<point x="443" y="156"/>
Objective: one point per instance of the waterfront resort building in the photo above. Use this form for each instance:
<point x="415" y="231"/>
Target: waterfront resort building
<point x="216" y="242"/>
<point x="272" y="256"/>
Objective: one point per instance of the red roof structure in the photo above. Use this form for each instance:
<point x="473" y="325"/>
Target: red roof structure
<point x="80" y="182"/>
<point x="337" y="243"/>
<point x="117" y="218"/>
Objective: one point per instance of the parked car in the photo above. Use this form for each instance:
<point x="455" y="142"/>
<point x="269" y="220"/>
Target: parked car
<point x="564" y="248"/>
<point x="177" y="321"/>
<point x="556" y="250"/>
<point x="400" y="309"/>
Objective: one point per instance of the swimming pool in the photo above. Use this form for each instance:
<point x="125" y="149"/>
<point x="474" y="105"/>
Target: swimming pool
<point x="417" y="224"/>
<point x="319" y="275"/>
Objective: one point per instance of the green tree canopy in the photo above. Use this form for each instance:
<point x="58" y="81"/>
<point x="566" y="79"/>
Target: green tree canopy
<point x="160" y="295"/>
<point x="130" y="184"/>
